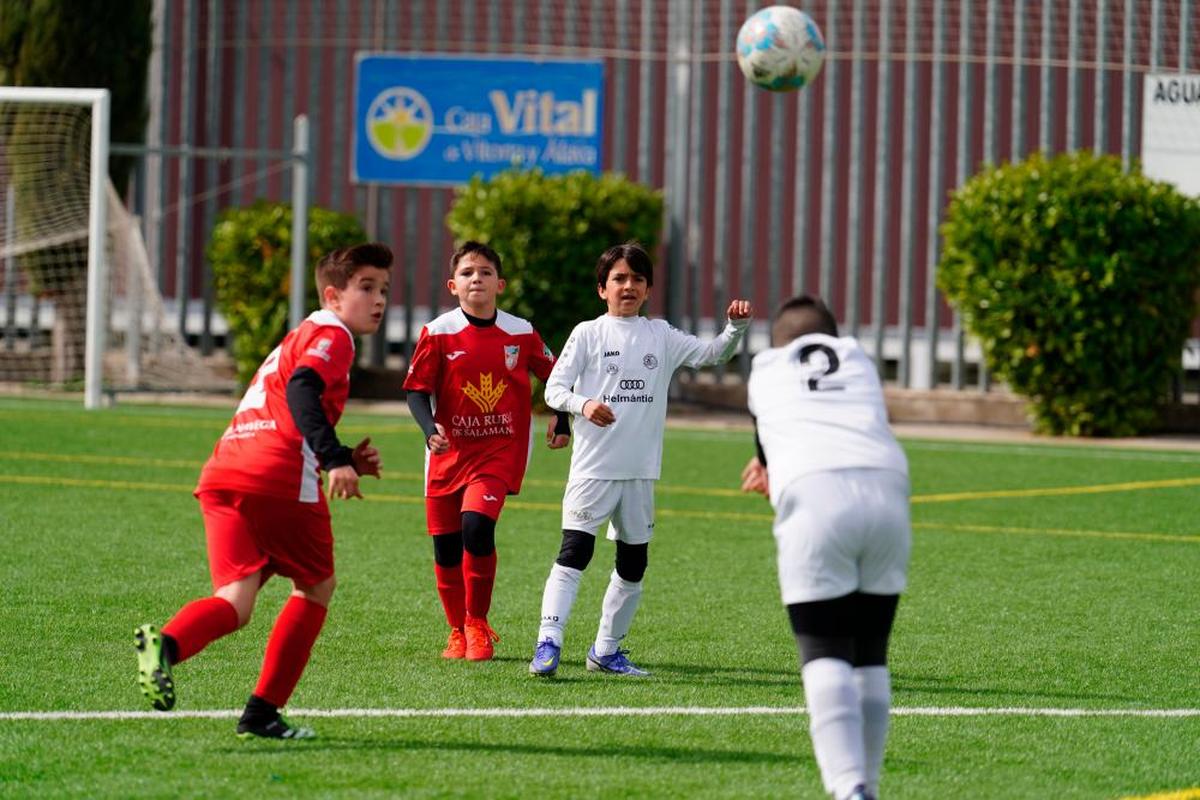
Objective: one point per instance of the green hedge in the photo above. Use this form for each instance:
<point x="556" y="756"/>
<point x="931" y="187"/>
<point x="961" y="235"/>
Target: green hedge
<point x="549" y="231"/>
<point x="251" y="254"/>
<point x="1078" y="279"/>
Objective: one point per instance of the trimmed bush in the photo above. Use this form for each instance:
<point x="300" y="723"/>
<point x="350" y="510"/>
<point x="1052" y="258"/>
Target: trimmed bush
<point x="251" y="254"/>
<point x="1078" y="279"/>
<point x="549" y="230"/>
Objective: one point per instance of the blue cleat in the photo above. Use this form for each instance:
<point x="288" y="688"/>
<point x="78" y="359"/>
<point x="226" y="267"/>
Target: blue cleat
<point x="616" y="664"/>
<point x="545" y="659"/>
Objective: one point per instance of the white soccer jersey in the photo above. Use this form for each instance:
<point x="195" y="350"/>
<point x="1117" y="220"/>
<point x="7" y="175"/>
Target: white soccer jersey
<point x="627" y="363"/>
<point x="818" y="404"/>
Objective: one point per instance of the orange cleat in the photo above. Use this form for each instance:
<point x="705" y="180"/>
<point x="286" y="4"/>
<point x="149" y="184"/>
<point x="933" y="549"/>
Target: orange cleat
<point x="456" y="645"/>
<point x="479" y="640"/>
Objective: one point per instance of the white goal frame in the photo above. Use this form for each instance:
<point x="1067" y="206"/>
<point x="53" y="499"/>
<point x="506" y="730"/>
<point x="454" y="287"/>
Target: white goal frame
<point x="97" y="266"/>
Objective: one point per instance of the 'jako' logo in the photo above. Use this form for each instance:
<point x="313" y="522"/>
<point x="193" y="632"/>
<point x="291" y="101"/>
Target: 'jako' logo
<point x="399" y="123"/>
<point x="632" y="383"/>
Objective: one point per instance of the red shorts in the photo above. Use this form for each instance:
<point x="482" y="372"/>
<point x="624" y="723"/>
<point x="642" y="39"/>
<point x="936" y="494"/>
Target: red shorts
<point x="485" y="494"/>
<point x="249" y="532"/>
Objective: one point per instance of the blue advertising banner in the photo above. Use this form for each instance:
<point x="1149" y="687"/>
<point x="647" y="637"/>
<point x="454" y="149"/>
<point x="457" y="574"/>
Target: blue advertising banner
<point x="432" y="120"/>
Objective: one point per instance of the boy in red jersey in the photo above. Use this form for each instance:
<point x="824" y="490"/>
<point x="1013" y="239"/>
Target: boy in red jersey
<point x="468" y="388"/>
<point x="260" y="494"/>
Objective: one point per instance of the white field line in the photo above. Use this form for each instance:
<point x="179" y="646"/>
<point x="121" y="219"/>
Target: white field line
<point x="615" y="711"/>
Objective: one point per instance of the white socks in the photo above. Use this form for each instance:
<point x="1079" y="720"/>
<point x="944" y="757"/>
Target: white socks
<point x="836" y="723"/>
<point x="562" y="585"/>
<point x="875" y="691"/>
<point x="620" y="604"/>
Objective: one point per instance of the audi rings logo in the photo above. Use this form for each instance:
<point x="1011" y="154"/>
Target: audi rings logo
<point x="633" y="384"/>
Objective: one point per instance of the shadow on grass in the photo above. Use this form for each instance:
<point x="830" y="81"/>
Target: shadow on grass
<point x="472" y="749"/>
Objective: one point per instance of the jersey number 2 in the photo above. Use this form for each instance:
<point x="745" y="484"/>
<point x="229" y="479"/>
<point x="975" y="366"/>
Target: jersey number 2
<point x="830" y="356"/>
<point x="256" y="395"/>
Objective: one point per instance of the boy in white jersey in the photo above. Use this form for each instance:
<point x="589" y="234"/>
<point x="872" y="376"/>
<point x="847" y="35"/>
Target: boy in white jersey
<point x="838" y="481"/>
<point x="614" y="372"/>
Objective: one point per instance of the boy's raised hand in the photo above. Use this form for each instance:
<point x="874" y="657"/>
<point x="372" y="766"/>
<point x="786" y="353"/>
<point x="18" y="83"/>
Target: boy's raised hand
<point x="598" y="414"/>
<point x="366" y="459"/>
<point x="740" y="309"/>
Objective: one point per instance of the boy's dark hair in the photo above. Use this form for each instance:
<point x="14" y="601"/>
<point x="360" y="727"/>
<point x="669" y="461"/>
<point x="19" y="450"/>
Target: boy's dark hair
<point x="336" y="268"/>
<point x="470" y="246"/>
<point x="635" y="256"/>
<point x="801" y="315"/>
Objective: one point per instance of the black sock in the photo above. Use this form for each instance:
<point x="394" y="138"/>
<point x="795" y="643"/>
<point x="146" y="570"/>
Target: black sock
<point x="259" y="710"/>
<point x="170" y="648"/>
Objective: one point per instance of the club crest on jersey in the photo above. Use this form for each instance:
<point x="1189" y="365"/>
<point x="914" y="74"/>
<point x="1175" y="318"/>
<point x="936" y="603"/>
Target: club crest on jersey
<point x="511" y="353"/>
<point x="486" y="394"/>
<point x="321" y="351"/>
<point x="650" y="362"/>
<point x="611" y="368"/>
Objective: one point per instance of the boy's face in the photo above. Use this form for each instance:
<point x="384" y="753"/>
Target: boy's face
<point x="625" y="290"/>
<point x="360" y="305"/>
<point x="476" y="283"/>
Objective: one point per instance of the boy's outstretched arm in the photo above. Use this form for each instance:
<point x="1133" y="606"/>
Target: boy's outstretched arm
<point x="303" y="393"/>
<point x="694" y="352"/>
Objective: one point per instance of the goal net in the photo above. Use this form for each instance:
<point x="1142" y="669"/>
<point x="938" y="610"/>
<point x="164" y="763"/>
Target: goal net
<point x="79" y="299"/>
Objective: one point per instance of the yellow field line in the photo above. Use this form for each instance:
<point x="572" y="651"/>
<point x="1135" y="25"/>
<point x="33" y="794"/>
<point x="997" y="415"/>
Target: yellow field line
<point x="698" y="491"/>
<point x="1058" y="491"/>
<point x="1068" y="532"/>
<point x="1180" y="794"/>
<point x="526" y="505"/>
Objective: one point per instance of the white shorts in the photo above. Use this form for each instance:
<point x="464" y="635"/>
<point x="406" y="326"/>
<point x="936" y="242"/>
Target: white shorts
<point x="627" y="506"/>
<point x="843" y="531"/>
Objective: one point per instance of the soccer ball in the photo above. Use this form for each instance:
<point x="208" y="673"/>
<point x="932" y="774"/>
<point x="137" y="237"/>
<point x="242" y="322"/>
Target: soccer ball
<point x="780" y="48"/>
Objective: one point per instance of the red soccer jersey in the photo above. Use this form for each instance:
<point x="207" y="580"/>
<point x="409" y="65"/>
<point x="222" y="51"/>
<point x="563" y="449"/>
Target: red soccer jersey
<point x="262" y="451"/>
<point x="478" y="377"/>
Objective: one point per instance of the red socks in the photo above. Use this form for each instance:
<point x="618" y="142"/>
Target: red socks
<point x="200" y="622"/>
<point x="452" y="593"/>
<point x="480" y="573"/>
<point x="288" y="649"/>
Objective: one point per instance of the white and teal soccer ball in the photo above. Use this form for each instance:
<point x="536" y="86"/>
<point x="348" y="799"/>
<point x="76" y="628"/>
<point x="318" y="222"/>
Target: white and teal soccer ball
<point x="780" y="48"/>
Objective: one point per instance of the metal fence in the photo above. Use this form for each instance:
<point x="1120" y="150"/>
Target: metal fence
<point x="837" y="189"/>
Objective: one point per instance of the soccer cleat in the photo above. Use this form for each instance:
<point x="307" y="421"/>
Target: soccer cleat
<point x="154" y="669"/>
<point x="616" y="664"/>
<point x="545" y="659"/>
<point x="860" y="793"/>
<point x="479" y="637"/>
<point x="276" y="728"/>
<point x="456" y="645"/>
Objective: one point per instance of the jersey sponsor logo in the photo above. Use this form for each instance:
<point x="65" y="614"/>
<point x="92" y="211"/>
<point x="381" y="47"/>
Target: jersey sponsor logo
<point x="611" y="353"/>
<point x="486" y="394"/>
<point x="512" y="352"/>
<point x="321" y="351"/>
<point x="481" y="426"/>
<point x="650" y="361"/>
<point x="633" y="383"/>
<point x="610" y="399"/>
<point x="456" y="354"/>
<point x="246" y="430"/>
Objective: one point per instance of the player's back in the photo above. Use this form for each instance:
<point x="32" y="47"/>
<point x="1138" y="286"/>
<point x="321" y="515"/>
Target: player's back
<point x="818" y="405"/>
<point x="262" y="450"/>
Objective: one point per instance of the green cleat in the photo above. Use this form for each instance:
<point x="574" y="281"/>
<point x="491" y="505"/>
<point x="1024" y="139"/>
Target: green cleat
<point x="154" y="669"/>
<point x="278" y="728"/>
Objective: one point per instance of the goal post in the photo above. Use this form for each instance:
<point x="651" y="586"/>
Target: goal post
<point x="17" y="240"/>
